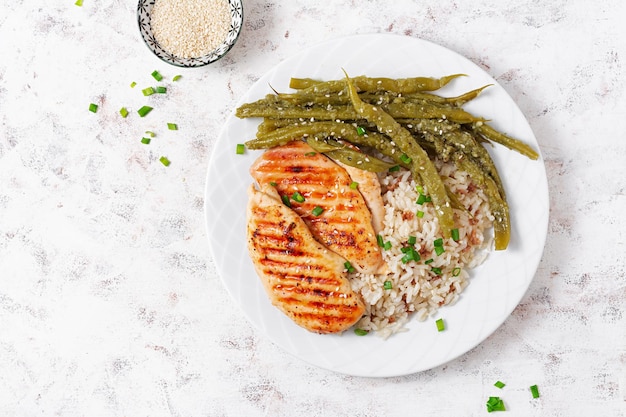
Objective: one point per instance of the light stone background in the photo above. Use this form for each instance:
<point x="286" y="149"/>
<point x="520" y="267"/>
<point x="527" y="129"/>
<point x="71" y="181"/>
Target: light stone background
<point x="110" y="304"/>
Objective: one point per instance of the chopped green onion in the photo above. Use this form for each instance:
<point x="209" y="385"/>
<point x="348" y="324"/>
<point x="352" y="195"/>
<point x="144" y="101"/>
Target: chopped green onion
<point x="394" y="168"/>
<point x="297" y="197"/>
<point x="410" y="254"/>
<point x="454" y="233"/>
<point x="241" y="148"/>
<point x="360" y="332"/>
<point x="165" y="161"/>
<point x="273" y="184"/>
<point x="387" y="246"/>
<point x="412" y="240"/>
<point x="133" y="84"/>
<point x="286" y="201"/>
<point x="161" y="90"/>
<point x="360" y="130"/>
<point x="93" y="107"/>
<point x="79" y="3"/>
<point x="405" y="158"/>
<point x="145" y="141"/>
<point x="379" y="240"/>
<point x="310" y="154"/>
<point x="419" y="189"/>
<point x="499" y="384"/>
<point x="143" y="111"/>
<point x="148" y="91"/>
<point x="534" y="391"/>
<point x="429" y="261"/>
<point x="124" y="112"/>
<point x="439" y="250"/>
<point x="156" y="75"/>
<point x="349" y="267"/>
<point x="387" y="285"/>
<point x="441" y="326"/>
<point x="456" y="272"/>
<point x="495" y="404"/>
<point x="354" y="185"/>
<point x="150" y="133"/>
<point x="436" y="271"/>
<point x="420" y="214"/>
<point x="421" y="199"/>
<point x="317" y="211"/>
<point x="172" y="126"/>
<point x="438" y="242"/>
<point x="177" y="77"/>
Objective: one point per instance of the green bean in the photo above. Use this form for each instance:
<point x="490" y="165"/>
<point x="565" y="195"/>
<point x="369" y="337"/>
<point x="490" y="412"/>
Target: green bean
<point x="421" y="165"/>
<point x="499" y="207"/>
<point x="348" y="156"/>
<point x="362" y="83"/>
<point x="516" y="145"/>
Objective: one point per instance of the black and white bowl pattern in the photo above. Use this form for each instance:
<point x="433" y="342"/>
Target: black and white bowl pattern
<point x="144" y="11"/>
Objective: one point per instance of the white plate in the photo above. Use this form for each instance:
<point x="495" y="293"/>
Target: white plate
<point x="495" y="288"/>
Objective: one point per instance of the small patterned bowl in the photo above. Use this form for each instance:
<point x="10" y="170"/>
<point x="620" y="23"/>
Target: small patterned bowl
<point x="144" y="11"/>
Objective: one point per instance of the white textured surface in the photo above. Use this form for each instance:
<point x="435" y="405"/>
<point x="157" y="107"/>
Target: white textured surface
<point x="109" y="301"/>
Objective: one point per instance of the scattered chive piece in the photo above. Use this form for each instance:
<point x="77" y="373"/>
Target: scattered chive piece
<point x="420" y="214"/>
<point x="387" y="285"/>
<point x="133" y="84"/>
<point x="161" y="90"/>
<point x="177" y="77"/>
<point x="286" y="201"/>
<point x="499" y="384"/>
<point x="436" y="271"/>
<point x="456" y="272"/>
<point x="495" y="404"/>
<point x="148" y="91"/>
<point x="535" y="391"/>
<point x="405" y="158"/>
<point x="317" y="211"/>
<point x="360" y="332"/>
<point x="297" y="197"/>
<point x="410" y="254"/>
<point x="412" y="240"/>
<point x="454" y="233"/>
<point x="79" y="3"/>
<point x="394" y="168"/>
<point x="387" y="246"/>
<point x="124" y="112"/>
<point x="165" y="161"/>
<point x="379" y="240"/>
<point x="144" y="110"/>
<point x="354" y="185"/>
<point x="145" y="141"/>
<point x="93" y="107"/>
<point x="419" y="189"/>
<point x="241" y="148"/>
<point x="441" y="326"/>
<point x="360" y="130"/>
<point x="429" y="261"/>
<point x="174" y="126"/>
<point x="439" y="250"/>
<point x="349" y="266"/>
<point x="310" y="154"/>
<point x="273" y="184"/>
<point x="150" y="133"/>
<point x="156" y="75"/>
<point x="421" y="199"/>
<point x="438" y="242"/>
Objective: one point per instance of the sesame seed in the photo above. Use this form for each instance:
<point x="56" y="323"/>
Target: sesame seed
<point x="190" y="28"/>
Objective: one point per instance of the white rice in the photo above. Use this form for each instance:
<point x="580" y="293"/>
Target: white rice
<point x="416" y="291"/>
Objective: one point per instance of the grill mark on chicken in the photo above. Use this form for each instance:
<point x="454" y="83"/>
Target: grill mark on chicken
<point x="345" y="226"/>
<point x="302" y="278"/>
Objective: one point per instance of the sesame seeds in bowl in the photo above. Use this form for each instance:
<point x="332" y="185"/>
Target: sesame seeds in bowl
<point x="190" y="33"/>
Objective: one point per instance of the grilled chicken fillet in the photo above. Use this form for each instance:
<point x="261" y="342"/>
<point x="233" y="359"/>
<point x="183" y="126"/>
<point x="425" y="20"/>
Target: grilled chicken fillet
<point x="312" y="183"/>
<point x="305" y="280"/>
